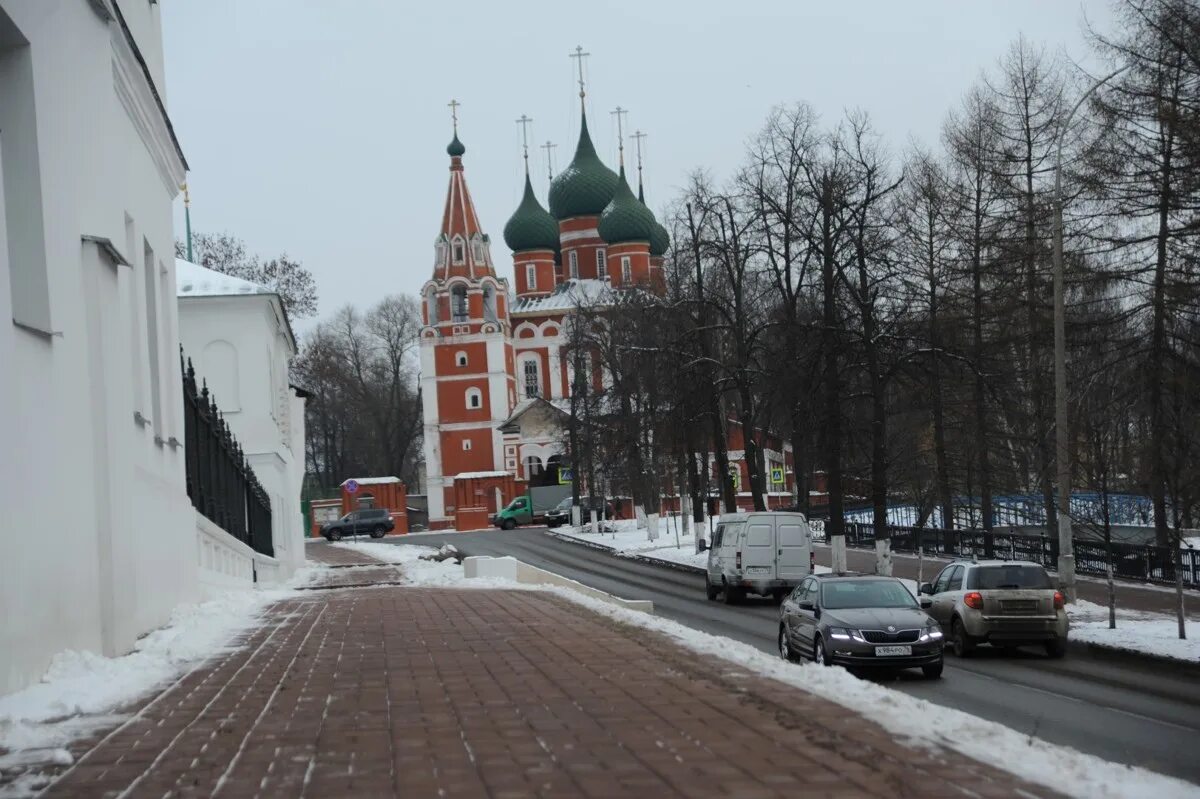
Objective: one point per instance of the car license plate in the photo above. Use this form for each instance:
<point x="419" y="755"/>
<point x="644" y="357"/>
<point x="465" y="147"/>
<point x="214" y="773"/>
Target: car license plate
<point x="892" y="651"/>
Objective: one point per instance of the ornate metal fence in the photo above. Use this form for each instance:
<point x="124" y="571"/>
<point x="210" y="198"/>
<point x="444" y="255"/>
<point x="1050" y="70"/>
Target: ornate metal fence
<point x="220" y="483"/>
<point x="1131" y="561"/>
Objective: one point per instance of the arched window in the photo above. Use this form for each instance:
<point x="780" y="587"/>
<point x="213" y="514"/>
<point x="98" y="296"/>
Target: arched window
<point x="466" y="445"/>
<point x="474" y="398"/>
<point x="533" y="382"/>
<point x="489" y="304"/>
<point x="460" y="359"/>
<point x="626" y="270"/>
<point x="458" y="304"/>
<point x="601" y="262"/>
<point x="431" y="304"/>
<point x="439" y="249"/>
<point x="530" y="276"/>
<point x="573" y="264"/>
<point x="477" y="250"/>
<point x="458" y="251"/>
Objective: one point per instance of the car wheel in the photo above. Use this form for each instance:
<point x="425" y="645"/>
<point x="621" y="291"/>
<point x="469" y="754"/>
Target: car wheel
<point x="335" y="535"/>
<point x="732" y="595"/>
<point x="709" y="589"/>
<point x="507" y="524"/>
<point x="819" y="653"/>
<point x="379" y="532"/>
<point x="963" y="645"/>
<point x="934" y="670"/>
<point x="785" y="649"/>
<point x="1056" y="648"/>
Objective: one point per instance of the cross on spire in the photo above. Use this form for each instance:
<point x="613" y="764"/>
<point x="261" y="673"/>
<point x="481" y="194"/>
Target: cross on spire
<point x="579" y="54"/>
<point x="637" y="137"/>
<point x="524" y="123"/>
<point x="548" y="147"/>
<point x="454" y="104"/>
<point x="620" y="113"/>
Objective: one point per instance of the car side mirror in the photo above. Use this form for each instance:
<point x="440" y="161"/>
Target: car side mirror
<point x="925" y="588"/>
<point x="925" y="602"/>
<point x="806" y="604"/>
<point x="703" y="545"/>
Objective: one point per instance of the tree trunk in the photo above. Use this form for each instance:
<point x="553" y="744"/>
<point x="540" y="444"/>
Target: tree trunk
<point x="832" y="433"/>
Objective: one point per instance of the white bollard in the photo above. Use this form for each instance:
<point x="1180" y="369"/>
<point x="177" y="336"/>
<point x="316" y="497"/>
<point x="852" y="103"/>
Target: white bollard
<point x="595" y="522"/>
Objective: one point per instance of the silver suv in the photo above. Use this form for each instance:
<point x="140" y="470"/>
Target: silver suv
<point x="1005" y="603"/>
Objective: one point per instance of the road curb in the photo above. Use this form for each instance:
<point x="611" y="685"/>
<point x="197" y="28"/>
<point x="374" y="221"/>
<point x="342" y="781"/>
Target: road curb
<point x="683" y="567"/>
<point x="1137" y="656"/>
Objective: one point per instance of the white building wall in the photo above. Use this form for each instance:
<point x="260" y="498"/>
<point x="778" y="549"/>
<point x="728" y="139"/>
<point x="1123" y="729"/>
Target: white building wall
<point x="113" y="548"/>
<point x="240" y="346"/>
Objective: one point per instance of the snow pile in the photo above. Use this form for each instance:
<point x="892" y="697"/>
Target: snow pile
<point x="81" y="691"/>
<point x="425" y="572"/>
<point x="624" y="538"/>
<point x="1137" y="631"/>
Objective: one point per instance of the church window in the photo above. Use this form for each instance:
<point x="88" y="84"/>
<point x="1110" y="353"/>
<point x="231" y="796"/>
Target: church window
<point x="601" y="263"/>
<point x="460" y="359"/>
<point x="489" y="304"/>
<point x="533" y="383"/>
<point x="459" y="251"/>
<point x="530" y="276"/>
<point x="477" y="251"/>
<point x="573" y="264"/>
<point x="458" y="303"/>
<point x="474" y="398"/>
<point x="440" y="252"/>
<point x="431" y="308"/>
<point x="466" y="445"/>
<point x="626" y="270"/>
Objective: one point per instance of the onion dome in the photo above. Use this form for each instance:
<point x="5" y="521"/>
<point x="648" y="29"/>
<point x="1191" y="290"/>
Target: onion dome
<point x="455" y="147"/>
<point x="586" y="185"/>
<point x="531" y="227"/>
<point x="660" y="240"/>
<point x="625" y="218"/>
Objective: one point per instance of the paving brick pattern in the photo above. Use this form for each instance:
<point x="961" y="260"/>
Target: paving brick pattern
<point x="327" y="555"/>
<point x="421" y="692"/>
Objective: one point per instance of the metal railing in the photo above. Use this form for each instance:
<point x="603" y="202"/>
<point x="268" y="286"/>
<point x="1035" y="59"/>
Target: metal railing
<point x="220" y="483"/>
<point x="1147" y="563"/>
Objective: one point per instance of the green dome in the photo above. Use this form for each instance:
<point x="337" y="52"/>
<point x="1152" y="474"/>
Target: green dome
<point x="455" y="147"/>
<point x="531" y="227"/>
<point x="586" y="185"/>
<point x="626" y="219"/>
<point x="660" y="240"/>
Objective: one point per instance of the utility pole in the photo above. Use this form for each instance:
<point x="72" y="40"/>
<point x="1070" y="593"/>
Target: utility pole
<point x="1062" y="438"/>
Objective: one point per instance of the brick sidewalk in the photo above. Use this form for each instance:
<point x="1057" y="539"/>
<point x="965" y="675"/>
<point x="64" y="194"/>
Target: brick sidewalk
<point x="398" y="691"/>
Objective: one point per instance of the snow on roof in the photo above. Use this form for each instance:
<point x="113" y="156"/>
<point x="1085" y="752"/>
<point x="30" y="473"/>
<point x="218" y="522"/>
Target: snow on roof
<point x="193" y="280"/>
<point x="474" y="475"/>
<point x="567" y="295"/>
<point x="372" y="481"/>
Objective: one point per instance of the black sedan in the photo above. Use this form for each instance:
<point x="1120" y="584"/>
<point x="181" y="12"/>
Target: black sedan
<point x="859" y="621"/>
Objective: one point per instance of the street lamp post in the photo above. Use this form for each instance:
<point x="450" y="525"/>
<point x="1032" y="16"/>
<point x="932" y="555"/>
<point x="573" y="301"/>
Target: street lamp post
<point x="1062" y="439"/>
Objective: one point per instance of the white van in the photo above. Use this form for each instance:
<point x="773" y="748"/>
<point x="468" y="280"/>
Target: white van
<point x="765" y="553"/>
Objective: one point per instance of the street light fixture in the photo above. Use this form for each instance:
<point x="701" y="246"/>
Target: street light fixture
<point x="1062" y="443"/>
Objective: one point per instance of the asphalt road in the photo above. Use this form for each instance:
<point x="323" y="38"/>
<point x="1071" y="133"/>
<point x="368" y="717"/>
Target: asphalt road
<point x="1127" y="711"/>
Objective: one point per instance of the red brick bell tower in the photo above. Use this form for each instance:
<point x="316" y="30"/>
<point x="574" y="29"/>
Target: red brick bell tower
<point x="466" y="352"/>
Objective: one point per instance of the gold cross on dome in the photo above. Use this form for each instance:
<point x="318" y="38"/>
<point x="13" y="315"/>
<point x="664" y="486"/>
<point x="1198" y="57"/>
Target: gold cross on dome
<point x="454" y="104"/>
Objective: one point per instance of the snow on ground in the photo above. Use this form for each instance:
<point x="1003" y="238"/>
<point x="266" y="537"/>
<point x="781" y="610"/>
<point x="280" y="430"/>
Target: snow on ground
<point x="623" y="538"/>
<point x="1137" y="631"/>
<point x="82" y="692"/>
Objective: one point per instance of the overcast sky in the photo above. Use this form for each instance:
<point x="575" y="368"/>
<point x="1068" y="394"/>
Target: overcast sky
<point x="319" y="128"/>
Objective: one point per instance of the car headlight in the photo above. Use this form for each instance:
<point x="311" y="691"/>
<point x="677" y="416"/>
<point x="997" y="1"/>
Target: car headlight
<point x="931" y="634"/>
<point x="845" y="634"/>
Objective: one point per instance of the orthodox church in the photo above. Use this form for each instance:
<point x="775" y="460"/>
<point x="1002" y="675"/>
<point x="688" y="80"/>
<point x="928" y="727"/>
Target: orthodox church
<point x="495" y="385"/>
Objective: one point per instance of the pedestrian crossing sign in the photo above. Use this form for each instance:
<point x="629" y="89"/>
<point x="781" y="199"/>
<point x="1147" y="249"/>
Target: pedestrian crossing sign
<point x="777" y="475"/>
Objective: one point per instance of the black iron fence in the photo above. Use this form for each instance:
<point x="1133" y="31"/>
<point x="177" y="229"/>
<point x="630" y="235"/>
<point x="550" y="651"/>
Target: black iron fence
<point x="220" y="483"/>
<point x="1129" y="561"/>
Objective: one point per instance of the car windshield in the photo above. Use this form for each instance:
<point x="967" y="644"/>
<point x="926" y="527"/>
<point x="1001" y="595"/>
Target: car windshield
<point x="1032" y="576"/>
<point x="516" y="503"/>
<point x="564" y="505"/>
<point x="866" y="594"/>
